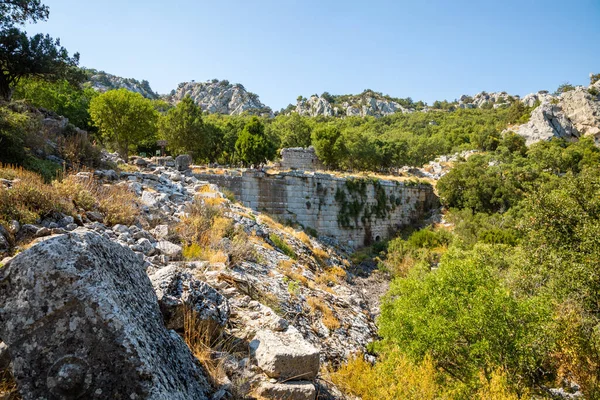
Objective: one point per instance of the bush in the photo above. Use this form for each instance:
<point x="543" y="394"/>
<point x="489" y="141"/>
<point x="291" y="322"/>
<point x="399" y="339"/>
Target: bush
<point x="282" y="245"/>
<point x="464" y="316"/>
<point x="29" y="199"/>
<point x="394" y="376"/>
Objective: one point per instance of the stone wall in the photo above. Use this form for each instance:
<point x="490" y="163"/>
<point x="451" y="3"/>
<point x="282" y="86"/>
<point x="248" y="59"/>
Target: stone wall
<point x="356" y="211"/>
<point x="301" y="159"/>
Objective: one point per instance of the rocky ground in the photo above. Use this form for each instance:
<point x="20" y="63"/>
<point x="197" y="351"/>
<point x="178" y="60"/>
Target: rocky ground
<point x="281" y="318"/>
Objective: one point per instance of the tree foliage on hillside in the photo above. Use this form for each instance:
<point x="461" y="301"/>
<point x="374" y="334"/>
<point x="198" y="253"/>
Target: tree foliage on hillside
<point x="513" y="287"/>
<point x="252" y="146"/>
<point x="184" y="130"/>
<point x="62" y="97"/>
<point x="23" y="56"/>
<point x="124" y="119"/>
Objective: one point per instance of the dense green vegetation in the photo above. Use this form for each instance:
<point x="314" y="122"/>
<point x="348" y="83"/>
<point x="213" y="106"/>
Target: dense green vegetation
<point x="511" y="289"/>
<point x="22" y="56"/>
<point x="125" y="118"/>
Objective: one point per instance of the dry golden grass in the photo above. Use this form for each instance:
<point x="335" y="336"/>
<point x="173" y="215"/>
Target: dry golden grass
<point x="214" y="201"/>
<point x="300" y="235"/>
<point x="333" y="275"/>
<point x="320" y="255"/>
<point x="392" y="377"/>
<point x="30" y="199"/>
<point x="328" y="317"/>
<point x="128" y="168"/>
<point x="206" y="344"/>
<point x="287" y="268"/>
<point x="270" y="222"/>
<point x="195" y="252"/>
<point x="8" y="386"/>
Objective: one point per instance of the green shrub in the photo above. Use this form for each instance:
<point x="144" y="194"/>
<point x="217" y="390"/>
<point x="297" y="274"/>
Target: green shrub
<point x="282" y="245"/>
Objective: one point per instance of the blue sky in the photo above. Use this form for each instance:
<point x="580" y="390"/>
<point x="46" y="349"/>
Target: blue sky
<point x="428" y="50"/>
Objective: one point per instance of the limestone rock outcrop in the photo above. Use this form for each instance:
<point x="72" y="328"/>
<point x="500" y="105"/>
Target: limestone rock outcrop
<point x="81" y="320"/>
<point x="547" y="121"/>
<point x="361" y="105"/>
<point x="583" y="110"/>
<point x="178" y="291"/>
<point x="102" y="82"/>
<point x="220" y="97"/>
<point x="540" y="97"/>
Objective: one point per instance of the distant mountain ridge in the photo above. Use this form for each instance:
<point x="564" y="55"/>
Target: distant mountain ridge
<point x="103" y="82"/>
<point x="220" y="97"/>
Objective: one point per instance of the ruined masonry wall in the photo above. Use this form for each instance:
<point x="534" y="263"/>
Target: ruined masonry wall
<point x="310" y="199"/>
<point x="300" y="159"/>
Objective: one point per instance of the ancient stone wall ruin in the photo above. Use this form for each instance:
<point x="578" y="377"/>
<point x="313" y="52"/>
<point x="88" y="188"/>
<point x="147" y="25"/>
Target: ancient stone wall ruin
<point x="356" y="211"/>
<point x="301" y="159"/>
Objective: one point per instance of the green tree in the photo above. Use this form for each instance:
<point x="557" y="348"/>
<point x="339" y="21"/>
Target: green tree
<point x="563" y="88"/>
<point x="466" y="318"/>
<point x="294" y="130"/>
<point x="185" y="131"/>
<point x="62" y="97"/>
<point x="252" y="146"/>
<point x="38" y="56"/>
<point x="329" y="146"/>
<point x="124" y="118"/>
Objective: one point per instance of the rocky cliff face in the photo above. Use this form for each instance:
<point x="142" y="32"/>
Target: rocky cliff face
<point x="571" y="115"/>
<point x="103" y="82"/>
<point x="365" y="104"/>
<point x="220" y="97"/>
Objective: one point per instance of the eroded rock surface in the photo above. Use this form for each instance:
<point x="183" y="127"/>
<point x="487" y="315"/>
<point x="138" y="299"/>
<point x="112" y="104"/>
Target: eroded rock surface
<point x="547" y="121"/>
<point x="81" y="320"/>
<point x="178" y="291"/>
<point x="285" y="355"/>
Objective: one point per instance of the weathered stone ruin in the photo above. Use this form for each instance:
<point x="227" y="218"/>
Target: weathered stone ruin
<point x="356" y="211"/>
<point x="301" y="159"/>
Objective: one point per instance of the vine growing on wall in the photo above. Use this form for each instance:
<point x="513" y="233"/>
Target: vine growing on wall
<point x="353" y="203"/>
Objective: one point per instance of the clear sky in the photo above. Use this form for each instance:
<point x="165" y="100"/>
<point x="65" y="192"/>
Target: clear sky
<point x="426" y="49"/>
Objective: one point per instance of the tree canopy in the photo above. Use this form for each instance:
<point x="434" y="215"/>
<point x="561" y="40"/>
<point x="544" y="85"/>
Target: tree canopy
<point x="124" y="118"/>
<point x="23" y="56"/>
<point x="253" y="147"/>
<point x="184" y="130"/>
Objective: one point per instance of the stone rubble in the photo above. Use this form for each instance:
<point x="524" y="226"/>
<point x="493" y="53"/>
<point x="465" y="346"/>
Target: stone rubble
<point x="247" y="298"/>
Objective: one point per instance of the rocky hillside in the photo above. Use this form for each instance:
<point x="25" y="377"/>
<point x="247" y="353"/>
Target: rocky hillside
<point x="367" y="103"/>
<point x="221" y="97"/>
<point x="278" y="304"/>
<point x="103" y="81"/>
<point x="571" y="115"/>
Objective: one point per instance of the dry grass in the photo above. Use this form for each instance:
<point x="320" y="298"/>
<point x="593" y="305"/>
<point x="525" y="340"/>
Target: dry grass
<point x="197" y="226"/>
<point x="214" y="201"/>
<point x="30" y="199"/>
<point x="203" y="231"/>
<point x="8" y="386"/>
<point x="320" y="255"/>
<point x="300" y="235"/>
<point x="288" y="269"/>
<point x="328" y="317"/>
<point x="392" y="377"/>
<point x="207" y="344"/>
<point x="331" y="276"/>
<point x="128" y="168"/>
<point x="118" y="204"/>
<point x="195" y="252"/>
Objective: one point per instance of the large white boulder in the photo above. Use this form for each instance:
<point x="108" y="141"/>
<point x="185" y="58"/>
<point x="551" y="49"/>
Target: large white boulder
<point x="285" y="355"/>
